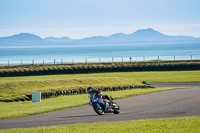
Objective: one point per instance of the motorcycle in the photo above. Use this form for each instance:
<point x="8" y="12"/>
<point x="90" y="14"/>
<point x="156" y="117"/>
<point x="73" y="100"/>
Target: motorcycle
<point x="102" y="106"/>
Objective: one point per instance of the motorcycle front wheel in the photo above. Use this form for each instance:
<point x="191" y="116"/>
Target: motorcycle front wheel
<point x="116" y="112"/>
<point x="116" y="108"/>
<point x="98" y="109"/>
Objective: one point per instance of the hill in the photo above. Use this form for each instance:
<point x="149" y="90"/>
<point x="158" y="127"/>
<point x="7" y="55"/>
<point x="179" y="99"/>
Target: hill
<point x="22" y="39"/>
<point x="140" y="36"/>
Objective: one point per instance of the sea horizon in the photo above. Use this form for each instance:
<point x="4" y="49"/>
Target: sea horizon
<point x="21" y="55"/>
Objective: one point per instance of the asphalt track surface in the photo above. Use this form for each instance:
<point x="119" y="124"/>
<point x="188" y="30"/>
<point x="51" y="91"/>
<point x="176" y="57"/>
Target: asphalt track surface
<point x="171" y="103"/>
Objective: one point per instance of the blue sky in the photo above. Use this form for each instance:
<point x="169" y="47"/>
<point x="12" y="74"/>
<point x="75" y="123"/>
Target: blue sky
<point x="85" y="18"/>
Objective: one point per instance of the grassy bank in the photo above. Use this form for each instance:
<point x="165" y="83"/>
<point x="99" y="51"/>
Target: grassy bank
<point x="13" y="87"/>
<point x="45" y="69"/>
<point x="38" y="66"/>
<point x="155" y="76"/>
<point x="168" y="125"/>
<point x="19" y="109"/>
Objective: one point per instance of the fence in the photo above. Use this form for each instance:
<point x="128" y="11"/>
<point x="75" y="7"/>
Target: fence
<point x="97" y="60"/>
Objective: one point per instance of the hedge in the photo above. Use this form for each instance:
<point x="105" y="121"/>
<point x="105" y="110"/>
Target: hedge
<point x="97" y="69"/>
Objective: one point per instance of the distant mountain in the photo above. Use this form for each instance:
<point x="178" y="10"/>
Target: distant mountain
<point x="23" y="36"/>
<point x="21" y="39"/>
<point x="140" y="36"/>
<point x="146" y="33"/>
<point x="152" y="36"/>
<point x="55" y="39"/>
<point x="94" y="39"/>
<point x="118" y="35"/>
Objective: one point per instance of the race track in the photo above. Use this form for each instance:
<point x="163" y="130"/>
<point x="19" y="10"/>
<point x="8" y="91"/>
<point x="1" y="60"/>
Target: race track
<point x="171" y="103"/>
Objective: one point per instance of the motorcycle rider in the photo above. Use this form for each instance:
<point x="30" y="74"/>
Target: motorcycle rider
<point x="99" y="94"/>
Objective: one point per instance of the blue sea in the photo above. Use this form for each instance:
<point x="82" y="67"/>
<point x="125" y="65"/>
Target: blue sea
<point x="98" y="53"/>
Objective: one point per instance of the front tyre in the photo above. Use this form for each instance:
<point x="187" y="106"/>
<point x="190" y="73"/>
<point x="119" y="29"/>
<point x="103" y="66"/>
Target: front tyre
<point x="98" y="109"/>
<point x="116" y="112"/>
<point x="115" y="108"/>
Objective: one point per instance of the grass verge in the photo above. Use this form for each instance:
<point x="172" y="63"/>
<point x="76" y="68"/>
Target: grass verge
<point x="20" y="109"/>
<point x="167" y="125"/>
<point x="15" y="87"/>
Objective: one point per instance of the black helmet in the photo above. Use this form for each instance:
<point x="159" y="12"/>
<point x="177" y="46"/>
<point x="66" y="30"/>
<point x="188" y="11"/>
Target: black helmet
<point x="89" y="89"/>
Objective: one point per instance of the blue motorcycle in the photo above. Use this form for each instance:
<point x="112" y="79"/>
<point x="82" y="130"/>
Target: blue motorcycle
<point x="102" y="106"/>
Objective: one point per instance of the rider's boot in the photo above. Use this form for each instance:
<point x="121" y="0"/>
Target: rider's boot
<point x="111" y="101"/>
<point x="107" y="109"/>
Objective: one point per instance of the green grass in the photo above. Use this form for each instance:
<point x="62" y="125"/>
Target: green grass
<point x="155" y="76"/>
<point x="19" y="109"/>
<point x="13" y="87"/>
<point x="167" y="125"/>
